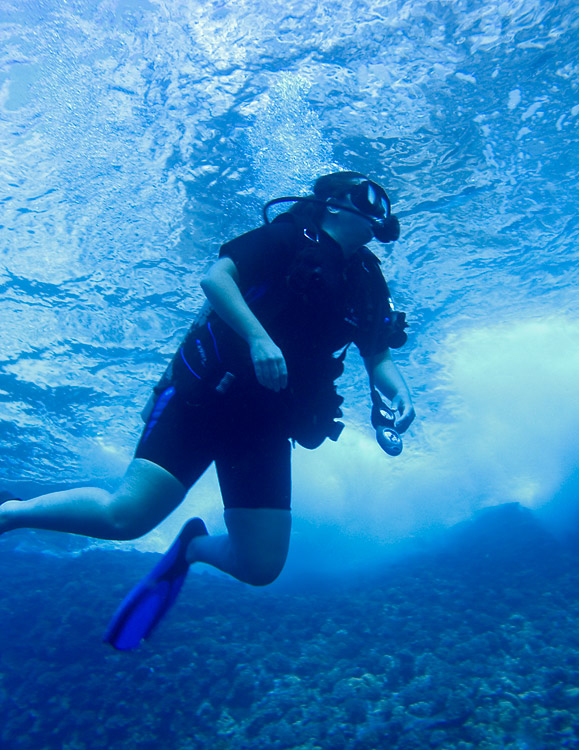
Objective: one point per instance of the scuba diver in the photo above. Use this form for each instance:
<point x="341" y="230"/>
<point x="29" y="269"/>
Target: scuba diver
<point x="255" y="372"/>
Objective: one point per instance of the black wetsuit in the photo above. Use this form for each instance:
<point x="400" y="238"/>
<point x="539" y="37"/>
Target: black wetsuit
<point x="210" y="406"/>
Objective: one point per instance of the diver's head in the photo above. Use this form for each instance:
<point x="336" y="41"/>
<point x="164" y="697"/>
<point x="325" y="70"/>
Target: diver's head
<point x="363" y="198"/>
<point x="347" y="204"/>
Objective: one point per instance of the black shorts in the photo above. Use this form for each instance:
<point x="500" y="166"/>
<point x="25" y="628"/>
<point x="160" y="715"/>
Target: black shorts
<point x="243" y="435"/>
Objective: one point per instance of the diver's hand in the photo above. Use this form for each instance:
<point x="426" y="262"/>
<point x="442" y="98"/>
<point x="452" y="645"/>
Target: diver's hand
<point x="405" y="411"/>
<point x="269" y="363"/>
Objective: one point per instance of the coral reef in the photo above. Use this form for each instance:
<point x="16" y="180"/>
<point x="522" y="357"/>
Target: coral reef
<point x="473" y="645"/>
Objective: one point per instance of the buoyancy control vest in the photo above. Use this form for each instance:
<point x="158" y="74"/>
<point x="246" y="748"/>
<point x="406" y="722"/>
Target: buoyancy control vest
<point x="213" y="359"/>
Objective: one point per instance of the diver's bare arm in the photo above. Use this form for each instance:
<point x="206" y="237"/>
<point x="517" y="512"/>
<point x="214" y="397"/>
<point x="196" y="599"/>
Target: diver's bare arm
<point x="389" y="381"/>
<point x="220" y="285"/>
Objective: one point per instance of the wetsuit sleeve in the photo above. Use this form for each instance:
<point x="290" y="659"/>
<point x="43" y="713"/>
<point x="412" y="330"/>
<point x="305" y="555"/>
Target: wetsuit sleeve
<point x="370" y="343"/>
<point x="262" y="254"/>
<point x="385" y="327"/>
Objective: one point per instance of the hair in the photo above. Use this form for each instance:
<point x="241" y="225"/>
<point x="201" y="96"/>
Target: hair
<point x="334" y="185"/>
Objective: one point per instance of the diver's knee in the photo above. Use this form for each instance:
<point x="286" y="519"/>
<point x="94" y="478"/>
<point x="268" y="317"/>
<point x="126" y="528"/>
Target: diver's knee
<point x="260" y="579"/>
<point x="262" y="575"/>
<point x="126" y="526"/>
<point x="126" y="531"/>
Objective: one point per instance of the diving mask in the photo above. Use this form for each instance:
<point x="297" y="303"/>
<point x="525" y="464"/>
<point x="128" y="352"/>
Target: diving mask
<point x="372" y="201"/>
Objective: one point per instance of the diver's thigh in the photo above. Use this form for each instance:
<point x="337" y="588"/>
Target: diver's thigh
<point x="255" y="473"/>
<point x="146" y="495"/>
<point x="179" y="436"/>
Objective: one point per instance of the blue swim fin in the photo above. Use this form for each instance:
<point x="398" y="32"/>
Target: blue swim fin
<point x="145" y="606"/>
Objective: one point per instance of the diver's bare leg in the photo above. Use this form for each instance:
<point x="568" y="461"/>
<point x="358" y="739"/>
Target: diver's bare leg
<point x="255" y="548"/>
<point x="147" y="494"/>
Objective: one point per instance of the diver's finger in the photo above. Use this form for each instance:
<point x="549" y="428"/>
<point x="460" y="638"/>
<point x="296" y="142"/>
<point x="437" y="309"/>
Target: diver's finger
<point x="398" y="404"/>
<point x="282" y="374"/>
<point x="273" y="376"/>
<point x="266" y="373"/>
<point x="260" y="374"/>
<point x="277" y="374"/>
<point x="405" y="420"/>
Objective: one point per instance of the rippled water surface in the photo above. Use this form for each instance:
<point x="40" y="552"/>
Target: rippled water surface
<point x="138" y="136"/>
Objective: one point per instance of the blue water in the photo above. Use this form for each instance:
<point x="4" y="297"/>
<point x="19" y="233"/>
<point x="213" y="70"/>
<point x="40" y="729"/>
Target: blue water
<point x="138" y="136"/>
